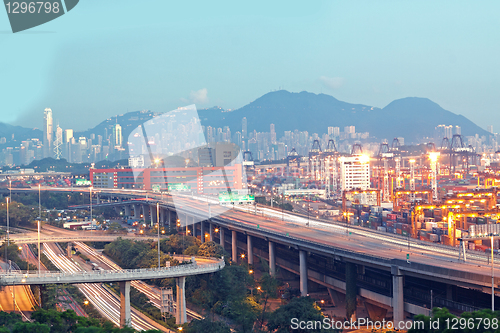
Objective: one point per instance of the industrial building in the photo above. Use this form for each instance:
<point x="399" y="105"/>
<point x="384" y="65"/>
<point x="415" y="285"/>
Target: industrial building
<point x="200" y="180"/>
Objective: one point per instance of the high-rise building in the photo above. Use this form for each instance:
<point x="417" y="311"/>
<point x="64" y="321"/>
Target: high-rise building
<point x="355" y="172"/>
<point x="458" y="130"/>
<point x="244" y="128"/>
<point x="273" y="134"/>
<point x="58" y="143"/>
<point x="490" y="129"/>
<point x="47" y="132"/>
<point x="117" y="136"/>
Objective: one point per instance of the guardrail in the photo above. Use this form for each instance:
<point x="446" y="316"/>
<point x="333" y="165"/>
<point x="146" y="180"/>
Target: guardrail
<point x="25" y="278"/>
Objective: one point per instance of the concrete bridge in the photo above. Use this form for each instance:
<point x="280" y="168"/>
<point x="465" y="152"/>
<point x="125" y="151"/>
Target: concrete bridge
<point x="123" y="277"/>
<point x="321" y="254"/>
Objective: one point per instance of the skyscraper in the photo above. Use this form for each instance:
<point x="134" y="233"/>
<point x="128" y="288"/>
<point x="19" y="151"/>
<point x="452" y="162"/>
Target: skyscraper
<point x="273" y="134"/>
<point x="58" y="142"/>
<point x="47" y="133"/>
<point x="244" y="128"/>
<point x="490" y="129"/>
<point x="117" y="135"/>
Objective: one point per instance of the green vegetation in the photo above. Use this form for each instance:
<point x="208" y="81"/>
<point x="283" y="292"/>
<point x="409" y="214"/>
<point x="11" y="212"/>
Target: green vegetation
<point x="141" y="302"/>
<point x="52" y="321"/>
<point x="12" y="252"/>
<point x="277" y="202"/>
<point x="232" y="293"/>
<point x="302" y="308"/>
<point x="19" y="214"/>
<point x="474" y="322"/>
<point x="207" y="326"/>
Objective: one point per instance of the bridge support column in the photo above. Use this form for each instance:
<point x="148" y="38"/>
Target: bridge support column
<point x="250" y="250"/>
<point x="146" y="213"/>
<point x="221" y="236"/>
<point x="180" y="315"/>
<point x="272" y="259"/>
<point x="152" y="213"/>
<point x="125" y="317"/>
<point x="211" y="231"/>
<point x="69" y="249"/>
<point x="169" y="219"/>
<point x="202" y="232"/>
<point x="127" y="210"/>
<point x="303" y="273"/>
<point x="397" y="295"/>
<point x="234" y="246"/>
<point x="162" y="216"/>
<point x="137" y="211"/>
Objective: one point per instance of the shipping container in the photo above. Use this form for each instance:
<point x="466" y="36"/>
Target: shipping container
<point x="404" y="233"/>
<point x="434" y="238"/>
<point x="381" y="229"/>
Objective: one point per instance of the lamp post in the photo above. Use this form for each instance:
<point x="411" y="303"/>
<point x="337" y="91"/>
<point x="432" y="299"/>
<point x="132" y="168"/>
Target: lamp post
<point x="492" y="277"/>
<point x="8" y="224"/>
<point x="158" y="221"/>
<point x="39" y="202"/>
<point x="91" y="219"/>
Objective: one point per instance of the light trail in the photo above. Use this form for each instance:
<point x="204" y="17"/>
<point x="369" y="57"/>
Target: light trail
<point x="106" y="302"/>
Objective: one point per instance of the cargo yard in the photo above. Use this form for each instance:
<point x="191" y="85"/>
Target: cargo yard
<point x="444" y="195"/>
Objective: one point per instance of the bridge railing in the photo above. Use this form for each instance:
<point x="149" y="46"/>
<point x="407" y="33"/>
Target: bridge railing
<point x="20" y="275"/>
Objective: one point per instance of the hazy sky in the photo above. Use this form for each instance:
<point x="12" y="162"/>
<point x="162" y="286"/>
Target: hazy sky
<point x="107" y="57"/>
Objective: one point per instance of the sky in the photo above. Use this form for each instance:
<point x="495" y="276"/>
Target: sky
<point x="109" y="57"/>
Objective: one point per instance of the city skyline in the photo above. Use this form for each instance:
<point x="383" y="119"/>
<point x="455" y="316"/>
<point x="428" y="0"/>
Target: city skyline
<point x="440" y="51"/>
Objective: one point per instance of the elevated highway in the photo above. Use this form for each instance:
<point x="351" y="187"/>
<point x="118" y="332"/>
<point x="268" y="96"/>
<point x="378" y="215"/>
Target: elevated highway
<point x="312" y="240"/>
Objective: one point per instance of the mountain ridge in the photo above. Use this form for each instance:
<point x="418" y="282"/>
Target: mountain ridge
<point x="411" y="117"/>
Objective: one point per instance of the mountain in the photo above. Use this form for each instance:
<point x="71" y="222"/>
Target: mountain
<point x="411" y="117"/>
<point x="15" y="134"/>
<point x="128" y="121"/>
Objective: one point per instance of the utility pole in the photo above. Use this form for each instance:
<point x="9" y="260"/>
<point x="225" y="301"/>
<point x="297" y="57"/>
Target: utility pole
<point x="8" y="224"/>
<point x="158" y="221"/>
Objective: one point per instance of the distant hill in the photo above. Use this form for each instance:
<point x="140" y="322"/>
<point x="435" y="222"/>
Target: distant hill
<point x="411" y="118"/>
<point x="128" y="121"/>
<point x="18" y="133"/>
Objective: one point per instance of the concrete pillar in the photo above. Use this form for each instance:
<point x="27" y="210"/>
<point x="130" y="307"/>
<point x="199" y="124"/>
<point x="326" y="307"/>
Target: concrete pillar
<point x="125" y="318"/>
<point x="211" y="231"/>
<point x="169" y="219"/>
<point x="397" y="295"/>
<point x="234" y="247"/>
<point x="137" y="211"/>
<point x="221" y="237"/>
<point x="202" y="232"/>
<point x="152" y="214"/>
<point x="69" y="249"/>
<point x="127" y="211"/>
<point x="146" y="213"/>
<point x="303" y="273"/>
<point x="180" y="315"/>
<point x="272" y="259"/>
<point x="250" y="250"/>
<point x="162" y="216"/>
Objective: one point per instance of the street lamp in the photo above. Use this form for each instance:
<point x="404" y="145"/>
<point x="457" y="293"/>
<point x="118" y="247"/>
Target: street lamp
<point x="158" y="221"/>
<point x="492" y="277"/>
<point x="8" y="224"/>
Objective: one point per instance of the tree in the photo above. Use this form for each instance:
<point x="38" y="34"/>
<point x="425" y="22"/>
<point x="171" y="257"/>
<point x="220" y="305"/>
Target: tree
<point x="301" y="308"/>
<point x="482" y="322"/>
<point x="207" y="326"/>
<point x="268" y="289"/>
<point x="211" y="249"/>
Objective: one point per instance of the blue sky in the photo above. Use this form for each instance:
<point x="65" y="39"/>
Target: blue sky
<point x="107" y="57"/>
